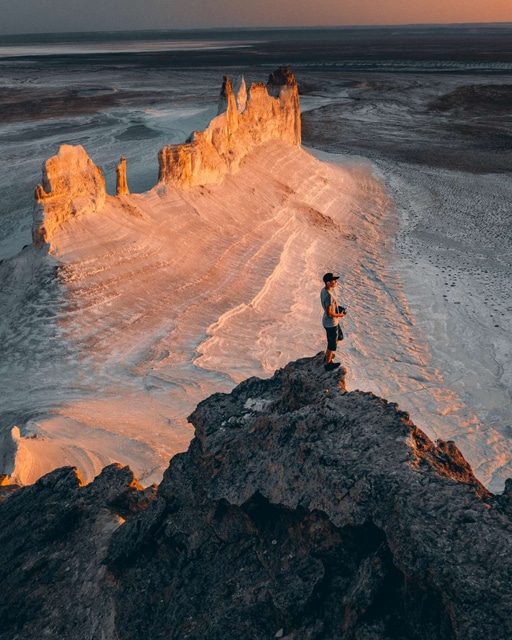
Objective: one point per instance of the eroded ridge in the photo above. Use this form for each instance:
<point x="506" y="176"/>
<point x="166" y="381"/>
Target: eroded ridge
<point x="270" y="112"/>
<point x="72" y="184"/>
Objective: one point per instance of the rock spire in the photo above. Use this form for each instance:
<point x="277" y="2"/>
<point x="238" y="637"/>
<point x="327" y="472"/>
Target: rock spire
<point x="247" y="122"/>
<point x="72" y="184"/>
<point x="121" y="182"/>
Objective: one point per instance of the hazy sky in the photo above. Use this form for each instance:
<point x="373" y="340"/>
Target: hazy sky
<point x="39" y="16"/>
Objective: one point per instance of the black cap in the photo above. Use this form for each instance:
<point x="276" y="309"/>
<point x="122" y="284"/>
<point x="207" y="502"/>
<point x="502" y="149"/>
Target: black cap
<point x="329" y="277"/>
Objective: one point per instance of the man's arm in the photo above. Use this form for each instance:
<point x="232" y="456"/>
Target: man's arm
<point x="332" y="313"/>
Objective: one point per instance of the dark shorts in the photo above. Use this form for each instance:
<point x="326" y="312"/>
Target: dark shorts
<point x="332" y="337"/>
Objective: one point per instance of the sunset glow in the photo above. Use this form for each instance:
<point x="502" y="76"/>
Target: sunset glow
<point x="32" y="16"/>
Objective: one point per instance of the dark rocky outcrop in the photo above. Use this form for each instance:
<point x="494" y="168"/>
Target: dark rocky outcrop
<point x="299" y="511"/>
<point x="54" y="536"/>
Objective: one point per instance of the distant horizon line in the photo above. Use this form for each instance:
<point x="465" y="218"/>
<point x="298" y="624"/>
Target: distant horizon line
<point x="503" y="24"/>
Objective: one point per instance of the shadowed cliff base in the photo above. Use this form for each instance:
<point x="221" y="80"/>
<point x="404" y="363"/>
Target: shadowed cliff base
<point x="299" y="511"/>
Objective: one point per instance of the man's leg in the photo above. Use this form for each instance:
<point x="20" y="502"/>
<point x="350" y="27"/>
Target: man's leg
<point x="332" y="335"/>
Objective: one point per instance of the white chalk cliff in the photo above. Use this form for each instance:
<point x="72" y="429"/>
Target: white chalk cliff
<point x="141" y="305"/>
<point x="246" y="123"/>
<point x="72" y="184"/>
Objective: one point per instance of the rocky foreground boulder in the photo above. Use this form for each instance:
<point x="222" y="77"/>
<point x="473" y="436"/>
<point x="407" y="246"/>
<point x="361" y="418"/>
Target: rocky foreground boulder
<point x="299" y="511"/>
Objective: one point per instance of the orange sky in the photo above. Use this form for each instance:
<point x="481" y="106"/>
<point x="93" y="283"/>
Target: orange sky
<point x="345" y="12"/>
<point x="26" y="16"/>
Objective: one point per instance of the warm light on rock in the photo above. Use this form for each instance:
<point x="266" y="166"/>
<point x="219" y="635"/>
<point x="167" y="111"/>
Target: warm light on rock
<point x="121" y="182"/>
<point x="270" y="112"/>
<point x="72" y="184"/>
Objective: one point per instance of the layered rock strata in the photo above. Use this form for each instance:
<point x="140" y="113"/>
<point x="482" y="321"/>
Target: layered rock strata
<point x="299" y="511"/>
<point x="72" y="184"/>
<point x="270" y="112"/>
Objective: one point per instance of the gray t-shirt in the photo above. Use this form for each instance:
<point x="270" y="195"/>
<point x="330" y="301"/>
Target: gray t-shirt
<point x="327" y="298"/>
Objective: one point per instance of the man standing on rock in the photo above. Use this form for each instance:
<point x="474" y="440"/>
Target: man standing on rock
<point x="330" y="319"/>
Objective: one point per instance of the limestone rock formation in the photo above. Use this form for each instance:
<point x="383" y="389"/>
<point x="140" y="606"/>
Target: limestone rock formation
<point x="248" y="121"/>
<point x="72" y="184"/>
<point x="241" y="96"/>
<point x="227" y="96"/>
<point x="299" y="511"/>
<point x="121" y="182"/>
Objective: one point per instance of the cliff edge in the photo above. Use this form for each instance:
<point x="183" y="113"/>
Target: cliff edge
<point x="72" y="184"/>
<point x="270" y="112"/>
<point x="299" y="511"/>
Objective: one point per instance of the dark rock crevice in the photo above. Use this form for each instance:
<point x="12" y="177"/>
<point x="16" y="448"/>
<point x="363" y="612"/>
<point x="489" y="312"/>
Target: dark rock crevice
<point x="299" y="509"/>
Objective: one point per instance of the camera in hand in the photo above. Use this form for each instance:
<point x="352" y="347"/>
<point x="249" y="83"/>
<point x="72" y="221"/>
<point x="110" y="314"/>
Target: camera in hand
<point x="341" y="309"/>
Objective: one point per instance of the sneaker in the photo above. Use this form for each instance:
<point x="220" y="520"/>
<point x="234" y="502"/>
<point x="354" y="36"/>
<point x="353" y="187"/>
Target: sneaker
<point x="331" y="366"/>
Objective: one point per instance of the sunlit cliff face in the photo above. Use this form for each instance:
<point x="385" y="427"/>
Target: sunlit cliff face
<point x="247" y="122"/>
<point x="148" y="303"/>
<point x="140" y="279"/>
<point x="72" y="184"/>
